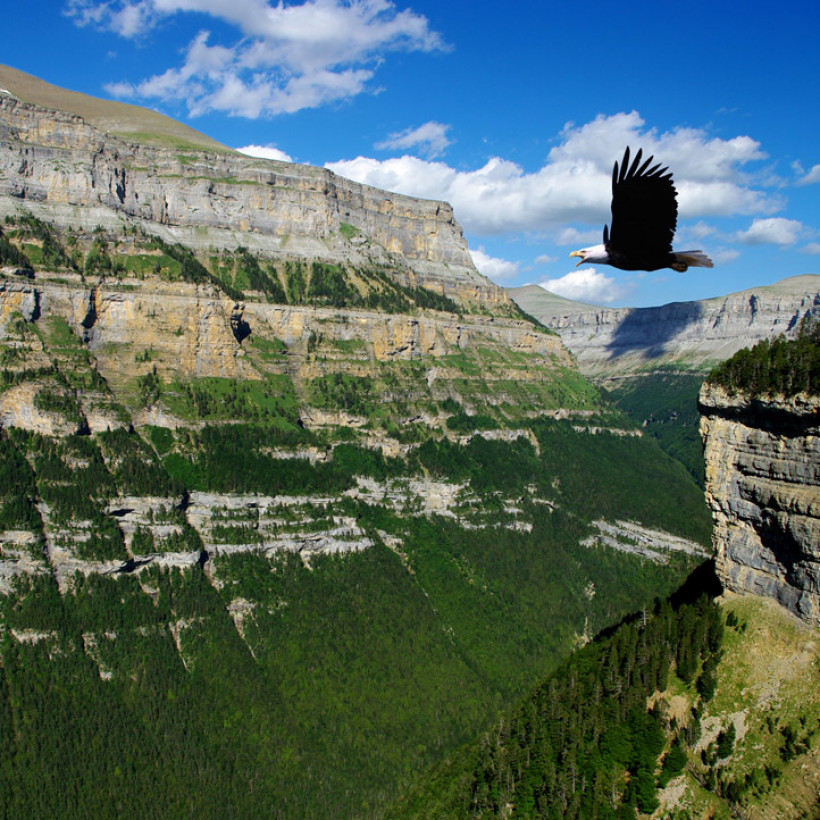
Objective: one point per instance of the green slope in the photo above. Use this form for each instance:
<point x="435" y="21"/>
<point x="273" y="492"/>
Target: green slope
<point x="175" y="643"/>
<point x="130" y="122"/>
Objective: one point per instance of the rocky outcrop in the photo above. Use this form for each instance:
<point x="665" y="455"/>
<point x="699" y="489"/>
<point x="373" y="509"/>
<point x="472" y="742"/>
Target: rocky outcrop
<point x="694" y="335"/>
<point x="184" y="329"/>
<point x="763" y="486"/>
<point x="68" y="172"/>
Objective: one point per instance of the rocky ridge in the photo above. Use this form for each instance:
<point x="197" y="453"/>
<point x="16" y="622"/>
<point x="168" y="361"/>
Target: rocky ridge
<point x="763" y="486"/>
<point x="610" y="342"/>
<point x="70" y="173"/>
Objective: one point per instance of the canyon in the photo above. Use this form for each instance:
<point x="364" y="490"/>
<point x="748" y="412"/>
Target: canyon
<point x="686" y="336"/>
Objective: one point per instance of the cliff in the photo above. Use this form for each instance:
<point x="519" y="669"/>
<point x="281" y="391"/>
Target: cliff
<point x="692" y="335"/>
<point x="70" y="172"/>
<point x="763" y="486"/>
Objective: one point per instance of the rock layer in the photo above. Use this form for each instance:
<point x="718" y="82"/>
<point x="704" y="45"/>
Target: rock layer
<point x="68" y="172"/>
<point x="695" y="335"/>
<point x="763" y="486"/>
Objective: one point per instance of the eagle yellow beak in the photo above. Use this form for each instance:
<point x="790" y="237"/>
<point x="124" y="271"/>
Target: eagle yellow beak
<point x="577" y="253"/>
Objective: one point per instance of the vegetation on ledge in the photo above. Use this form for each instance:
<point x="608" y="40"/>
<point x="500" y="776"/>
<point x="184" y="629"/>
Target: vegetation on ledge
<point x="775" y="367"/>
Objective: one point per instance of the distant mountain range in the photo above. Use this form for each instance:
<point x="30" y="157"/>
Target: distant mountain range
<point x="691" y="336"/>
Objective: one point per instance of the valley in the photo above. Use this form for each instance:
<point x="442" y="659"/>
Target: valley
<point x="294" y="503"/>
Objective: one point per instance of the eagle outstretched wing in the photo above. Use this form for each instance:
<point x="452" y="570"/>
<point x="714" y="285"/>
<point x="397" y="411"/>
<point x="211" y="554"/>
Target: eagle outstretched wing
<point x="644" y="211"/>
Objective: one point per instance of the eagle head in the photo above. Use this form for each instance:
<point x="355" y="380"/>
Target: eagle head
<point x="597" y="253"/>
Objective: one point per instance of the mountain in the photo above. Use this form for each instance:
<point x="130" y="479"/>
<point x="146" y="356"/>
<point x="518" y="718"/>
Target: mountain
<point x="74" y="174"/>
<point x="652" y="361"/>
<point x="702" y="706"/>
<point x="690" y="336"/>
<point x="292" y="499"/>
<point x="115" y="118"/>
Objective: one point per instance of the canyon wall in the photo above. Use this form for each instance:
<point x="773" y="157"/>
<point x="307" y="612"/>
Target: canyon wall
<point x="68" y="172"/>
<point x="693" y="335"/>
<point x="763" y="486"/>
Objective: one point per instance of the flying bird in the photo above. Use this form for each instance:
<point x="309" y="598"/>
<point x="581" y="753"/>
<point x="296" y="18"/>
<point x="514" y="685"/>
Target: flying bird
<point x="644" y="215"/>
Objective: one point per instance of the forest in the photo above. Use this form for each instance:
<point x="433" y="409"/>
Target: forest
<point x="337" y="702"/>
<point x="585" y="744"/>
<point x="176" y="644"/>
<point x="778" y="366"/>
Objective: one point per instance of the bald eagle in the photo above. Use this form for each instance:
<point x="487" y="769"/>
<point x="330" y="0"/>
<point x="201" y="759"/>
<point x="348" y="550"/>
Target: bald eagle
<point x="644" y="215"/>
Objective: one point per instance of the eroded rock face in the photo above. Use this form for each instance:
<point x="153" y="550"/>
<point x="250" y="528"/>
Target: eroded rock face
<point x="70" y="173"/>
<point x="190" y="330"/>
<point x="694" y="335"/>
<point x="763" y="486"/>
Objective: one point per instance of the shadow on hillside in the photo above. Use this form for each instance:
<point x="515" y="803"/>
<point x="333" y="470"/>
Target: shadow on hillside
<point x="703" y="580"/>
<point x="649" y="331"/>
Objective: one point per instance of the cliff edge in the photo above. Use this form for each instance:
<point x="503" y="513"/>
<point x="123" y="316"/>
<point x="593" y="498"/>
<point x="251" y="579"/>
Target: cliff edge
<point x="78" y="171"/>
<point x="762" y="459"/>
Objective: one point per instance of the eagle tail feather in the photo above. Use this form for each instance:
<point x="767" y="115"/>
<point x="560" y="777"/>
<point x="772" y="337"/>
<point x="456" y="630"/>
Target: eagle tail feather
<point x="691" y="259"/>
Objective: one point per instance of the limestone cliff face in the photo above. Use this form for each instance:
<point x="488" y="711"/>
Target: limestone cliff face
<point x="69" y="172"/>
<point x="187" y="331"/>
<point x="609" y="341"/>
<point x="763" y="486"/>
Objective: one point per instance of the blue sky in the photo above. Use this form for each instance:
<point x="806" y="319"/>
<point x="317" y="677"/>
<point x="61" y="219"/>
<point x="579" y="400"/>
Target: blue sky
<point x="512" y="112"/>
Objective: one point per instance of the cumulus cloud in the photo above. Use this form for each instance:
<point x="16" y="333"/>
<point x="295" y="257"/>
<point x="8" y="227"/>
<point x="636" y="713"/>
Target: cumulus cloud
<point x="573" y="186"/>
<point x="701" y="230"/>
<point x="579" y="239"/>
<point x="431" y="139"/>
<point x="586" y="285"/>
<point x="811" y="177"/>
<point x="492" y="267"/>
<point x="283" y="58"/>
<point x="812" y="247"/>
<point x="775" y="231"/>
<point x="265" y="152"/>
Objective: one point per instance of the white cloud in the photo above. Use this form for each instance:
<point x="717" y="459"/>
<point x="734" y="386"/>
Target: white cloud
<point x="579" y="239"/>
<point x="811" y="177"/>
<point x="724" y="256"/>
<point x="431" y="138"/>
<point x="494" y="268"/>
<point x="812" y="247"/>
<point x="701" y="230"/>
<point x="265" y="152"/>
<point x="284" y="58"/>
<point x="573" y="187"/>
<point x="544" y="259"/>
<point x="776" y="231"/>
<point x="587" y="285"/>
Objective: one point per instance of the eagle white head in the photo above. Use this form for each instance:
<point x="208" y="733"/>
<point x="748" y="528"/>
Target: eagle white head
<point x="597" y="253"/>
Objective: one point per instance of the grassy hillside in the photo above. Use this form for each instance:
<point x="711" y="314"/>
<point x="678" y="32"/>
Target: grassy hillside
<point x="758" y="754"/>
<point x="689" y="710"/>
<point x="121" y="119"/>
